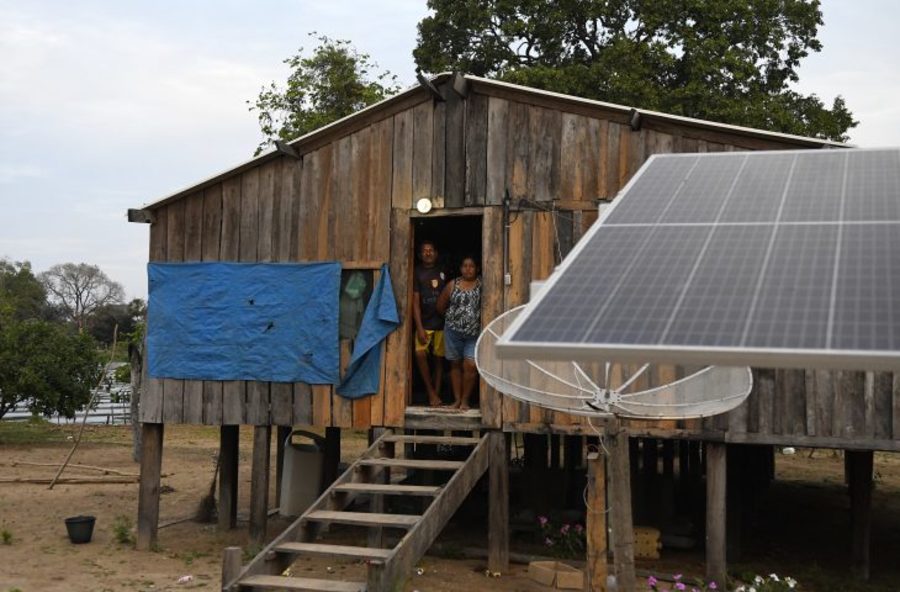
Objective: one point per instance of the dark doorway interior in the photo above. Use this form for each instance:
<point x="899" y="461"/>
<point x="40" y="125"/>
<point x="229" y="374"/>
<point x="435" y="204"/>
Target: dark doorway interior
<point x="455" y="237"/>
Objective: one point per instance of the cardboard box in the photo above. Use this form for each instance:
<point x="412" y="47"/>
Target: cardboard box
<point x="555" y="574"/>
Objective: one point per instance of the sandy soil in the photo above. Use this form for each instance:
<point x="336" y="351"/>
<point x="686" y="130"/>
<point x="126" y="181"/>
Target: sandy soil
<point x="806" y="513"/>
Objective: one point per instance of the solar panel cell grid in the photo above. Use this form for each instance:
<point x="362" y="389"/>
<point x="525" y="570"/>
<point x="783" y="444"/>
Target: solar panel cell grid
<point x="784" y="253"/>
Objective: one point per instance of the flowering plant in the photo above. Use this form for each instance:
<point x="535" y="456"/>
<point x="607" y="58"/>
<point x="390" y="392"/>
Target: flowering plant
<point x="566" y="541"/>
<point x="680" y="585"/>
<point x="770" y="583"/>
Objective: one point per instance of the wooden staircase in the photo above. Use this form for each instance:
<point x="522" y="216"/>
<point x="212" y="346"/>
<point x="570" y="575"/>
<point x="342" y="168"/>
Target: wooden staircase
<point x="370" y="476"/>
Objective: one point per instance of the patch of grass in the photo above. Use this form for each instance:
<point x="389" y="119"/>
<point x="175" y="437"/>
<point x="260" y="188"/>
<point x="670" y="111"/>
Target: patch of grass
<point x="122" y="530"/>
<point x="34" y="430"/>
<point x="6" y="537"/>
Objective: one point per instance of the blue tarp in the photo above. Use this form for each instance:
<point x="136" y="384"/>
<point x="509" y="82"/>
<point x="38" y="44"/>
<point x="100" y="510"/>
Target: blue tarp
<point x="244" y="321"/>
<point x="380" y="318"/>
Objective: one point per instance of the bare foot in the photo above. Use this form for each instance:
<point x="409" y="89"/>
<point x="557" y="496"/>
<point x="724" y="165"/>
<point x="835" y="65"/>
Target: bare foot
<point x="464" y="407"/>
<point x="434" y="402"/>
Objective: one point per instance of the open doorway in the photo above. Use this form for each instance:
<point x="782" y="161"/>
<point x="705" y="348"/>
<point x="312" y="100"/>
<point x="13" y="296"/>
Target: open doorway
<point x="454" y="237"/>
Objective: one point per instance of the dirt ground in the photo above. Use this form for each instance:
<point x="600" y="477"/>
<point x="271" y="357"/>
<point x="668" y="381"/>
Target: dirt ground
<point x="806" y="514"/>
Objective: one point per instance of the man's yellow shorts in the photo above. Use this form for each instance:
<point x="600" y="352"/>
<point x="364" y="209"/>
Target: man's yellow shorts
<point x="434" y="341"/>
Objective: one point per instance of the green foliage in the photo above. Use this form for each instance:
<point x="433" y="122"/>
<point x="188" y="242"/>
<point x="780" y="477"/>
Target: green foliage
<point x="123" y="373"/>
<point x="723" y="60"/>
<point x="6" y="537"/>
<point x="567" y="541"/>
<point x="49" y="366"/>
<point x="122" y="530"/>
<point x="128" y="318"/>
<point x="332" y="82"/>
<point x="21" y="294"/>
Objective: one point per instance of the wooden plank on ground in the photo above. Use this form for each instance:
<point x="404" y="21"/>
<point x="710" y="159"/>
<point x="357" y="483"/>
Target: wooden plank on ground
<point x="305" y="584"/>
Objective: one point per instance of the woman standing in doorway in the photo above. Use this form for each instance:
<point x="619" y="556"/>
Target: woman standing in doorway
<point x="460" y="303"/>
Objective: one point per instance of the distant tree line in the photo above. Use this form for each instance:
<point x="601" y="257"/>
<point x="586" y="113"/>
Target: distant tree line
<point x="51" y="328"/>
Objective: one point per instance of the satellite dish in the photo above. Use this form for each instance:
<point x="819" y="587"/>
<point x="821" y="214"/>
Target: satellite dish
<point x="605" y="388"/>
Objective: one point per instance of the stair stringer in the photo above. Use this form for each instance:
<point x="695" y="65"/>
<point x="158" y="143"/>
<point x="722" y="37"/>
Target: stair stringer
<point x="270" y="562"/>
<point x="390" y="575"/>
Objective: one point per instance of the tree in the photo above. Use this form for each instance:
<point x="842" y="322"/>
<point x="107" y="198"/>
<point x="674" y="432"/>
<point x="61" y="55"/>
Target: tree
<point x="127" y="317"/>
<point x="79" y="290"/>
<point x="21" y="294"/>
<point x="333" y="82"/>
<point x="723" y="60"/>
<point x="48" y="366"/>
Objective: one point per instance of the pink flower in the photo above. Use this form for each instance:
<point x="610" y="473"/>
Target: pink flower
<point x="564" y="529"/>
<point x="680" y="586"/>
<point x="542" y="520"/>
<point x="676" y="577"/>
<point x="712" y="586"/>
<point x="579" y="528"/>
<point x="548" y="541"/>
<point x="651" y="581"/>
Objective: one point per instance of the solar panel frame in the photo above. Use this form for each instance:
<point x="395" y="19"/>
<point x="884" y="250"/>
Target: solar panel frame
<point x="832" y="357"/>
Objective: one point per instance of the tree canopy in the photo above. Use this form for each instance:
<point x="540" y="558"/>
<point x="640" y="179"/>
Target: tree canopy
<point x="333" y="81"/>
<point x="46" y="364"/>
<point x="731" y="61"/>
<point x="79" y="290"/>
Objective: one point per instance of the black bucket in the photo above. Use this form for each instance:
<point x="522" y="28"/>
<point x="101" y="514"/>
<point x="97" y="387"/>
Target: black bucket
<point x="80" y="528"/>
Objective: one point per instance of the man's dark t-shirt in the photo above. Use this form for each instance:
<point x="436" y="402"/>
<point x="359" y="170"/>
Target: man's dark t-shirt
<point x="429" y="281"/>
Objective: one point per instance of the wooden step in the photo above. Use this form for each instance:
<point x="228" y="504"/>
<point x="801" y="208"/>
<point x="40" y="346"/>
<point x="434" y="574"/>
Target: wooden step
<point x="411" y="463"/>
<point x="307" y="584"/>
<point x="448" y="440"/>
<point x="342" y="551"/>
<point x="381" y="488"/>
<point x="364" y="518"/>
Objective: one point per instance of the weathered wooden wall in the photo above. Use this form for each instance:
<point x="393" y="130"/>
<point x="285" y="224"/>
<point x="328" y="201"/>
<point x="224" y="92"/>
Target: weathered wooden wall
<point x="351" y="195"/>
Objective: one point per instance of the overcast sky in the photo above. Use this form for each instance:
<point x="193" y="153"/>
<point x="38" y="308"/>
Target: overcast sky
<point x="109" y="105"/>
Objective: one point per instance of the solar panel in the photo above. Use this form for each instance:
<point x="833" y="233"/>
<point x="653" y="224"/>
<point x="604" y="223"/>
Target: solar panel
<point x="785" y="259"/>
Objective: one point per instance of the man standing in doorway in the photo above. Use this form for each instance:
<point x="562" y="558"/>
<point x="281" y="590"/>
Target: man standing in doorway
<point x="428" y="283"/>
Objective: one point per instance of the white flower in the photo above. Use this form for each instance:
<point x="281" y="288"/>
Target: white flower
<point x="774" y="577"/>
<point x="751" y="588"/>
<point x="791" y="582"/>
<point x="757" y="580"/>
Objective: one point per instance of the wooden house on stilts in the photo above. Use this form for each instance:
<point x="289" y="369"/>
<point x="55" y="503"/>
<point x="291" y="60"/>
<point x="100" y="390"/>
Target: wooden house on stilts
<point x="514" y="175"/>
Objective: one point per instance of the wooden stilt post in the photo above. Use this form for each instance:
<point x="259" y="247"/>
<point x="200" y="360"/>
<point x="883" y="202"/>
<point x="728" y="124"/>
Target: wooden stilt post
<point x="332" y="456"/>
<point x="667" y="490"/>
<point x="860" y="465"/>
<point x="620" y="507"/>
<point x="597" y="544"/>
<point x="229" y="438"/>
<point x="716" y="477"/>
<point x="281" y="435"/>
<point x="498" y="512"/>
<point x="376" y="505"/>
<point x="231" y="565"/>
<point x="148" y="492"/>
<point x="259" y="483"/>
<point x="736" y="458"/>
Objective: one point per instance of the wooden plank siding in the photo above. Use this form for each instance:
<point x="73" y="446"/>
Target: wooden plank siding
<point x="350" y="198"/>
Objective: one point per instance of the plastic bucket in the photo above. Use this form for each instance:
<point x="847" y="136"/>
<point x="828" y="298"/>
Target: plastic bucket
<point x="80" y="528"/>
<point x="301" y="477"/>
